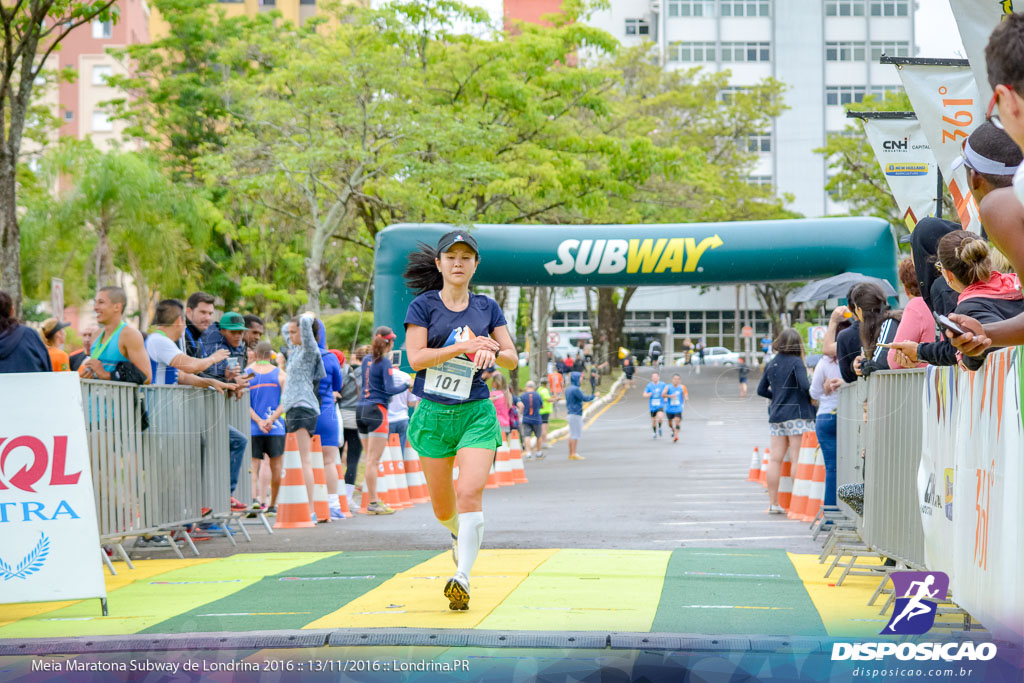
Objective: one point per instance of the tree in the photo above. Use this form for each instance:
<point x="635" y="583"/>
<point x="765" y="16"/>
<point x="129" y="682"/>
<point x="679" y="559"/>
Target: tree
<point x="31" y="31"/>
<point x="120" y="213"/>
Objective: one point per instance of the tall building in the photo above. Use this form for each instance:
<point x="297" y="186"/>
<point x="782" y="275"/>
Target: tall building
<point x="85" y="50"/>
<point x="294" y="11"/>
<point x="825" y="51"/>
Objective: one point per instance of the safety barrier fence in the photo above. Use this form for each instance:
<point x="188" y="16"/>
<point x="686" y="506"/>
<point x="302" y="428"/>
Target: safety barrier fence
<point x="160" y="455"/>
<point x="939" y="453"/>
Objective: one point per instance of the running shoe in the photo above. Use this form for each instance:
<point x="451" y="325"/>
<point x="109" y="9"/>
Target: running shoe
<point x="457" y="592"/>
<point x="539" y="455"/>
<point x="528" y="456"/>
<point x="675" y="438"/>
<point x="378" y="508"/>
<point x="336" y="513"/>
<point x="659" y="432"/>
<point x="455" y="550"/>
<point x="577" y="456"/>
<point x="271" y="511"/>
<point x="237" y="505"/>
<point x="775" y="510"/>
<point x="654" y="435"/>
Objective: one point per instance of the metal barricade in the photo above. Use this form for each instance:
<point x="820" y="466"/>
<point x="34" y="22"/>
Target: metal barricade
<point x="892" y="515"/>
<point x="238" y="417"/>
<point x="850" y="439"/>
<point x="161" y="477"/>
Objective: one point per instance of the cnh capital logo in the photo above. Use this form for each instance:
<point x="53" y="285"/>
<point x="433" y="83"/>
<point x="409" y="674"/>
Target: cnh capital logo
<point x="895" y="145"/>
<point x="41" y="464"/>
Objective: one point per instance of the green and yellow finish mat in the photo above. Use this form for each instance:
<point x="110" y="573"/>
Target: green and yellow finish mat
<point x="691" y="590"/>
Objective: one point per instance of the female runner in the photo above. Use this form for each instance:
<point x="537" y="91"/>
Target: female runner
<point x="451" y="335"/>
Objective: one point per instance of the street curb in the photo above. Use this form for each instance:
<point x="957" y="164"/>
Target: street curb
<point x="594" y="406"/>
<point x="413" y="637"/>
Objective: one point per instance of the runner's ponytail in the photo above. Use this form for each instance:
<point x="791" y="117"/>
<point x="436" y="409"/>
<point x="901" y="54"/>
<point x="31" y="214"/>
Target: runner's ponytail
<point x="422" y="275"/>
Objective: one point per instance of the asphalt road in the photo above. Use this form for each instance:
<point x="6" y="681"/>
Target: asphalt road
<point x="631" y="492"/>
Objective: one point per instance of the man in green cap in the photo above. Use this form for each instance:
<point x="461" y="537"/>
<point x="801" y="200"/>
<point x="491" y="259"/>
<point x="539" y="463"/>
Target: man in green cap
<point x="227" y="334"/>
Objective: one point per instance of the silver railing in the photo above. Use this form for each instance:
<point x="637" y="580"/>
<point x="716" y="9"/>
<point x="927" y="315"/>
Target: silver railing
<point x="851" y="430"/>
<point x="892" y="515"/>
<point x="166" y="475"/>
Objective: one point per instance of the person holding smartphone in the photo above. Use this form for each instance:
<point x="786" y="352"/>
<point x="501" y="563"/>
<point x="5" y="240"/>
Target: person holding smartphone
<point x="983" y="293"/>
<point x="452" y="334"/>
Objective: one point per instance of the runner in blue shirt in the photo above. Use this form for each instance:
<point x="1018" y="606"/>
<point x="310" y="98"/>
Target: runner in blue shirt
<point x="530" y="405"/>
<point x="674" y="395"/>
<point x="451" y="336"/>
<point x="653" y="391"/>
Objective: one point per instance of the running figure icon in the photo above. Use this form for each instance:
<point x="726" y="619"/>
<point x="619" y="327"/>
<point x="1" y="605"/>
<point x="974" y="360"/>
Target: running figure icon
<point x="915" y="607"/>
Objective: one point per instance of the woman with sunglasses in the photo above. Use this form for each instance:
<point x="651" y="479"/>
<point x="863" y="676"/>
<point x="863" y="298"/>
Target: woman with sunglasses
<point x="451" y="336"/>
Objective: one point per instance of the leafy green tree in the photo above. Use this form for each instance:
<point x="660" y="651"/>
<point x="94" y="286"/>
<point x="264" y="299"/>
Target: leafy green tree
<point x="30" y="32"/>
<point x="118" y="213"/>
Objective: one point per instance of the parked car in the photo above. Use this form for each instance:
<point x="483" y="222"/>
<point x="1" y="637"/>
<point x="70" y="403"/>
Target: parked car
<point x="719" y="355"/>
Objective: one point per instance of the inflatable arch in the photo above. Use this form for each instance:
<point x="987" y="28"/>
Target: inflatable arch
<point x="645" y="254"/>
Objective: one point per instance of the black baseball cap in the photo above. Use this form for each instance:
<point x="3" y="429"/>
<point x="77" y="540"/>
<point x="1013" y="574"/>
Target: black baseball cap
<point x="457" y="237"/>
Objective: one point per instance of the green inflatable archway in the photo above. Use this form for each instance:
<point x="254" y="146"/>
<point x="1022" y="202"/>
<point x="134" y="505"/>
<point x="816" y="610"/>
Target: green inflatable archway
<point x="647" y="254"/>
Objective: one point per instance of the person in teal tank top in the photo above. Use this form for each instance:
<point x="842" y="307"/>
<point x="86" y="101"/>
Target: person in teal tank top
<point x="117" y="342"/>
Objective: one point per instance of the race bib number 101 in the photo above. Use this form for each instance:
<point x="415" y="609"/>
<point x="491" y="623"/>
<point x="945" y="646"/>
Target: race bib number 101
<point x="451" y="379"/>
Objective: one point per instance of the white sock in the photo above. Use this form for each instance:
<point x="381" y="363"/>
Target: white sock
<point x="471" y="535"/>
<point x="451" y="525"/>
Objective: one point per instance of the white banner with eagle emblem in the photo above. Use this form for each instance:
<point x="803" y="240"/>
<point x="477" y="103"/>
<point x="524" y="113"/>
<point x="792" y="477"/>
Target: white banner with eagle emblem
<point x="51" y="544"/>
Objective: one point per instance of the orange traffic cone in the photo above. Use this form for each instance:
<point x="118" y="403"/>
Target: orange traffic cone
<point x="762" y="475"/>
<point x="418" y="492"/>
<point x="503" y="466"/>
<point x="516" y="449"/>
<point x="292" y="500"/>
<point x="398" y="469"/>
<point x="816" y="496"/>
<point x="803" y="476"/>
<point x="320" y="503"/>
<point x="342" y="498"/>
<point x="754" y="473"/>
<point x="385" y="480"/>
<point x="786" y="484"/>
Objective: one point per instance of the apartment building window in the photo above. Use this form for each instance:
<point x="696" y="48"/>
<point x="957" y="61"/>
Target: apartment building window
<point x="746" y="52"/>
<point x="880" y="91"/>
<point x="745" y="8"/>
<point x="691" y="52"/>
<point x="100" y="74"/>
<point x="69" y="115"/>
<point x="759" y="144"/>
<point x="102" y="29"/>
<point x="691" y="8"/>
<point x="729" y="93"/>
<point x="892" y="48"/>
<point x="890" y="8"/>
<point x="760" y="180"/>
<point x="844" y="8"/>
<point x="307" y="2"/>
<point x="844" y="94"/>
<point x="101" y="122"/>
<point x="844" y="51"/>
<point x="637" y="27"/>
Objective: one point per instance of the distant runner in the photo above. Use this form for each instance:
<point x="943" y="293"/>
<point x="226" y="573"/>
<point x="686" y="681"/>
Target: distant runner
<point x="653" y="391"/>
<point x="654" y="351"/>
<point x="674" y="394"/>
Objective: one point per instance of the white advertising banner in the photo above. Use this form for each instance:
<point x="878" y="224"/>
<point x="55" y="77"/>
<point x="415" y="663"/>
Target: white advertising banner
<point x="50" y="548"/>
<point x="989" y="490"/>
<point x="976" y="19"/>
<point x="972" y="444"/>
<point x="935" y="478"/>
<point x="908" y="164"/>
<point x="949" y="108"/>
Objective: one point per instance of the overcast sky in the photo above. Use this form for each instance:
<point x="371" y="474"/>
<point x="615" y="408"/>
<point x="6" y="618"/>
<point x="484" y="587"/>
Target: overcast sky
<point x="936" y="30"/>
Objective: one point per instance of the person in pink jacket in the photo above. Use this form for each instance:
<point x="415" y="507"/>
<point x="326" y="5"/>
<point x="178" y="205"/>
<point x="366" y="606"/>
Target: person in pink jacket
<point x="917" y="324"/>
